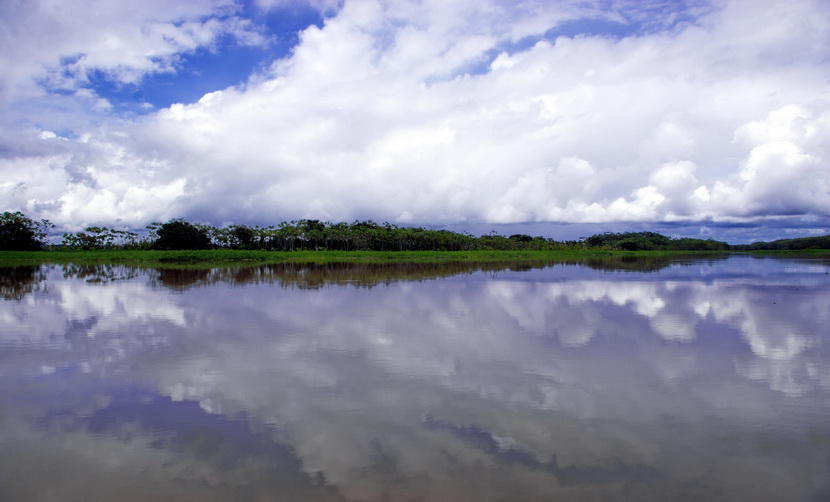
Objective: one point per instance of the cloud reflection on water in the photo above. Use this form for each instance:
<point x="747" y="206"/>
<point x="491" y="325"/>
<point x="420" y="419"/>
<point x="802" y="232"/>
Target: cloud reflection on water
<point x="565" y="382"/>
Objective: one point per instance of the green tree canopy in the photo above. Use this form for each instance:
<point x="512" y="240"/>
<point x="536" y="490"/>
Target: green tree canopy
<point x="19" y="233"/>
<point x="647" y="241"/>
<point x="179" y="234"/>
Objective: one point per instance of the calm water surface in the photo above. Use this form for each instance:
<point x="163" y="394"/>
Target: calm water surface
<point x="626" y="381"/>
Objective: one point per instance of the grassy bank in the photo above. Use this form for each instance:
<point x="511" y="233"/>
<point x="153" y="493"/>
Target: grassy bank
<point x="225" y="257"/>
<point x="241" y="257"/>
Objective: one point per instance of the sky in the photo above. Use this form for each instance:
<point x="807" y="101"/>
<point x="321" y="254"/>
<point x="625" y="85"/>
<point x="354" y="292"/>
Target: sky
<point x="561" y="118"/>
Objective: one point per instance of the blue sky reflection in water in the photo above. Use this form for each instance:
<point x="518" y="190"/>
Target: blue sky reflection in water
<point x="697" y="380"/>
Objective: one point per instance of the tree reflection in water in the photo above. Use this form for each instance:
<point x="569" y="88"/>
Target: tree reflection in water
<point x="316" y="275"/>
<point x="17" y="282"/>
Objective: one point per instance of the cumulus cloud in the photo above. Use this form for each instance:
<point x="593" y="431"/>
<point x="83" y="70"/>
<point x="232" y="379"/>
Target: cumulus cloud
<point x="446" y="113"/>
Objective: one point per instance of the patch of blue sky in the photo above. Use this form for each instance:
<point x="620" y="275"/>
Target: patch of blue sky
<point x="227" y="63"/>
<point x="619" y="20"/>
<point x="195" y="75"/>
<point x="590" y="27"/>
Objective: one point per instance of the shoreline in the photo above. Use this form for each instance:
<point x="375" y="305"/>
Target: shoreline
<point x="230" y="257"/>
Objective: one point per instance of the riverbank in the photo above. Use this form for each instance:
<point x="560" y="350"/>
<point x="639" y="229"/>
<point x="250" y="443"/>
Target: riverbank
<point x="229" y="257"/>
<point x="232" y="256"/>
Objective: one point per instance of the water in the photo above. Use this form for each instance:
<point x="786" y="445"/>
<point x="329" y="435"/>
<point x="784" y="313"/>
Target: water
<point x="628" y="380"/>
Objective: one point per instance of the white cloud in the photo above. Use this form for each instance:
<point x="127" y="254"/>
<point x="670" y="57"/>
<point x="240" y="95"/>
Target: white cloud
<point x="442" y="113"/>
<point x="785" y="171"/>
<point x="56" y="44"/>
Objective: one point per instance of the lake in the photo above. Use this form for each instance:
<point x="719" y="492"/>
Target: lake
<point x="624" y="380"/>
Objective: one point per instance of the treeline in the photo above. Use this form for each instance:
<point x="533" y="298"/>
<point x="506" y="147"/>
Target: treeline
<point x="799" y="244"/>
<point x="304" y="235"/>
<point x="361" y="236"/>
<point x="310" y="234"/>
<point x="17" y="232"/>
<point x="652" y="241"/>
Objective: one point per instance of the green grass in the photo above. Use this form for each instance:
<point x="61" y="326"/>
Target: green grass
<point x="241" y="257"/>
<point x="226" y="257"/>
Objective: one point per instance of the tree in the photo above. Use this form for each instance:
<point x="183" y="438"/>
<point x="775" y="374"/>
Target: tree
<point x="19" y="233"/>
<point x="90" y="238"/>
<point x="101" y="238"/>
<point x="242" y="237"/>
<point x="312" y="232"/>
<point x="179" y="234"/>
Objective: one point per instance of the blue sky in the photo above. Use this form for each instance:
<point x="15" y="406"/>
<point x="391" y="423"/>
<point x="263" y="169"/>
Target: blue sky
<point x="225" y="63"/>
<point x="697" y="117"/>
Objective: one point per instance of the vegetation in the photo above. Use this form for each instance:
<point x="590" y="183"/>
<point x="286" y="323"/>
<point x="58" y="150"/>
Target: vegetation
<point x="318" y="241"/>
<point x="101" y="238"/>
<point x="19" y="233"/>
<point x="316" y="235"/>
<point x="200" y="258"/>
<point x="652" y="241"/>
<point x="800" y="244"/>
<point x="179" y="234"/>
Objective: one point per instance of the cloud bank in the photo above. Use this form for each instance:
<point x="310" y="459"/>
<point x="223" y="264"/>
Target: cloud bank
<point x="429" y="113"/>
